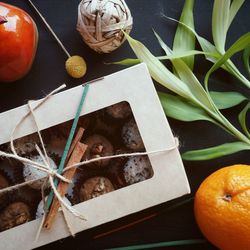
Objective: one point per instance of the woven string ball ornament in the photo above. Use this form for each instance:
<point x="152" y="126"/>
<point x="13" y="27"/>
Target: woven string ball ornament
<point x="100" y="23"/>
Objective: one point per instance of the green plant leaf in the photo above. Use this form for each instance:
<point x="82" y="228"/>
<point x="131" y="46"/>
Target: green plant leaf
<point x="232" y="69"/>
<point x="242" y="119"/>
<point x="215" y="152"/>
<point x="224" y="12"/>
<point x="182" y="110"/>
<point x="246" y="57"/>
<point x="213" y="55"/>
<point x="242" y="43"/>
<point x="225" y="100"/>
<point x="163" y="45"/>
<point x="160" y="73"/>
<point x="205" y="101"/>
<point x="183" y="34"/>
<point x="234" y="8"/>
<point x="206" y="46"/>
<point x="133" y="61"/>
<point x="220" y="20"/>
<point x="190" y="90"/>
<point x="126" y="62"/>
<point x="187" y="76"/>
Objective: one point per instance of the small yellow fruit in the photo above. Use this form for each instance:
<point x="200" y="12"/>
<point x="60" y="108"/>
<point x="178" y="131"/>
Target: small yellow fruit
<point x="76" y="66"/>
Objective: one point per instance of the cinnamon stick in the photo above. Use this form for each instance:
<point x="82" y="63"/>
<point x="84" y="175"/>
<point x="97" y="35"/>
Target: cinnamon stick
<point x="77" y="138"/>
<point x="75" y="157"/>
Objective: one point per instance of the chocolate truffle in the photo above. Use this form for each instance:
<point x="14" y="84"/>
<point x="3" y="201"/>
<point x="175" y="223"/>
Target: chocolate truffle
<point x="95" y="187"/>
<point x="26" y="144"/>
<point x="119" y="111"/>
<point x="131" y="136"/>
<point x="98" y="146"/>
<point x="3" y="182"/>
<point x="85" y="121"/>
<point x="104" y="125"/>
<point x="13" y="215"/>
<point x="63" y="130"/>
<point x="137" y="169"/>
<point x="31" y="173"/>
<point x="56" y="145"/>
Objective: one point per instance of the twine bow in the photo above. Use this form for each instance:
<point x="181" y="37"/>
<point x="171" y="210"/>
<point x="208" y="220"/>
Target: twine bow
<point x="45" y="167"/>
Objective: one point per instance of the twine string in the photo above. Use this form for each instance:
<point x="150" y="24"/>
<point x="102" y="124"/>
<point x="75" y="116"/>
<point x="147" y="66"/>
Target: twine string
<point x="68" y="223"/>
<point x="50" y="29"/>
<point x="24" y="160"/>
<point x="68" y="144"/>
<point x="46" y="160"/>
<point x="40" y="228"/>
<point x="27" y="115"/>
<point x="51" y="172"/>
<point x="82" y="163"/>
<point x="35" y="165"/>
<point x="46" y="167"/>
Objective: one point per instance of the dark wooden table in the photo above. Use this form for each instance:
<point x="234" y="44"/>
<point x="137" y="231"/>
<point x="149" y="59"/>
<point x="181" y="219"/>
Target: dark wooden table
<point x="48" y="73"/>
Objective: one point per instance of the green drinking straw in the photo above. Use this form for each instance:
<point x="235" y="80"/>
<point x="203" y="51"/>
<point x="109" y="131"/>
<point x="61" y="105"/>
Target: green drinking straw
<point x="162" y="244"/>
<point x="67" y="147"/>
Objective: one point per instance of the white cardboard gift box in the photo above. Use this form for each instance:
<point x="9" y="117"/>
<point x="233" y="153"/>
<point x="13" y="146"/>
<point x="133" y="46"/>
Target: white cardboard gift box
<point x="169" y="181"/>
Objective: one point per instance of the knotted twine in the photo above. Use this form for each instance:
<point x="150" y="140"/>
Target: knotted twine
<point x="52" y="173"/>
<point x="100" y="23"/>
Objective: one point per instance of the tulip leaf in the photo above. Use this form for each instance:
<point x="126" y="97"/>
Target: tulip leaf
<point x="225" y="100"/>
<point x="242" y="119"/>
<point x="182" y="110"/>
<point x="215" y="152"/>
<point x="183" y="34"/>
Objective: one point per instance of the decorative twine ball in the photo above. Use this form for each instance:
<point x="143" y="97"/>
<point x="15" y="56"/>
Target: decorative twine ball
<point x="100" y="23"/>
